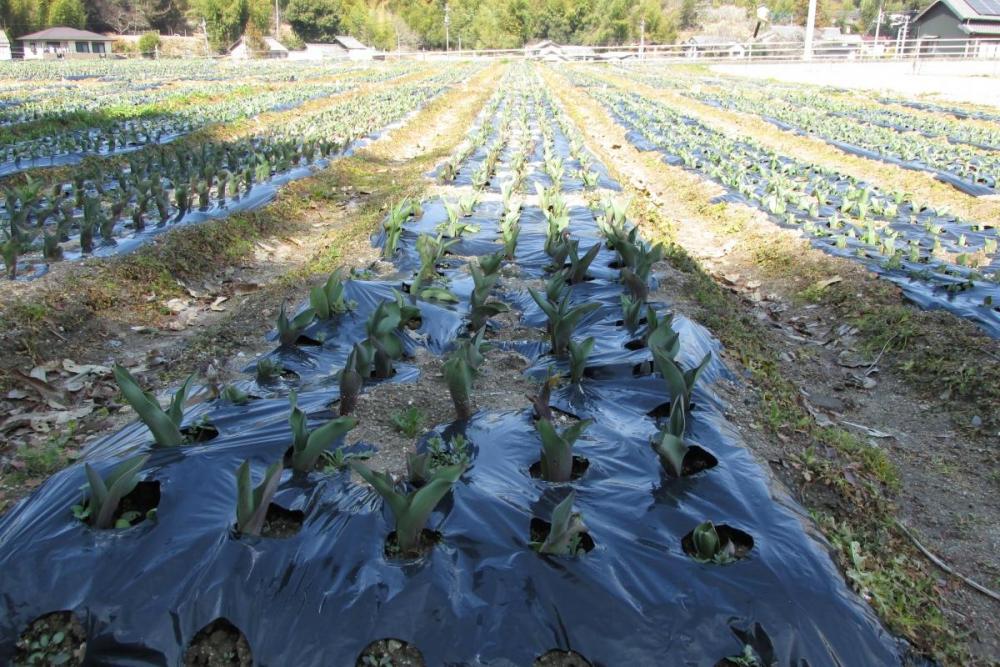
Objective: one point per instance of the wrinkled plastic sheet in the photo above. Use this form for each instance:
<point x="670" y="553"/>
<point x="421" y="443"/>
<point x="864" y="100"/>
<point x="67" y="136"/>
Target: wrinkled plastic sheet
<point x="482" y="596"/>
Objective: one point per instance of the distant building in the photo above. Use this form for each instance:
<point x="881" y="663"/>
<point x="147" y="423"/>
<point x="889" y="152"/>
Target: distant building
<point x="548" y="51"/>
<point x="273" y="49"/>
<point x="64" y="42"/>
<point x="834" y="43"/>
<point x="342" y="47"/>
<point x="975" y="22"/>
<point x="5" y="50"/>
<point x="784" y="34"/>
<point x="711" y="46"/>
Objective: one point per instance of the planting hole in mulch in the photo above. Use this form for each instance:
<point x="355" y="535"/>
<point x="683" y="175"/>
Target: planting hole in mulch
<point x="695" y="460"/>
<point x="580" y="465"/>
<point x="428" y="538"/>
<point x="52" y="639"/>
<point x="281" y="523"/>
<point x="642" y="369"/>
<point x="662" y="411"/>
<point x="540" y="530"/>
<point x="137" y="505"/>
<point x="741" y="541"/>
<point x="557" y="658"/>
<point x="390" y="652"/>
<point x="197" y="433"/>
<point x="219" y="644"/>
<point x="635" y="344"/>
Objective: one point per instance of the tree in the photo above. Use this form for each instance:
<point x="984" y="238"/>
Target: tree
<point x="227" y="20"/>
<point x="315" y="20"/>
<point x="69" y="13"/>
<point x="688" y="17"/>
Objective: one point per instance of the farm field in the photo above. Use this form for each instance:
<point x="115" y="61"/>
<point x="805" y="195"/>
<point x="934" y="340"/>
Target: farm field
<point x="494" y="363"/>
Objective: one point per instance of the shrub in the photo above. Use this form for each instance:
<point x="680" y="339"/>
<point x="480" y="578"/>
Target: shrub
<point x="149" y="43"/>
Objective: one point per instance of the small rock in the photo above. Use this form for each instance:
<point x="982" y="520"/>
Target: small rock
<point x="977" y="421"/>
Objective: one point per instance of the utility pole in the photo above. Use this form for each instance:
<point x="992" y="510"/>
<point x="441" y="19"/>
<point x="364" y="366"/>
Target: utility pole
<point x="204" y="30"/>
<point x="810" y="30"/>
<point x="447" y="22"/>
<point x="878" y="22"/>
<point x="642" y="37"/>
<point x="277" y="21"/>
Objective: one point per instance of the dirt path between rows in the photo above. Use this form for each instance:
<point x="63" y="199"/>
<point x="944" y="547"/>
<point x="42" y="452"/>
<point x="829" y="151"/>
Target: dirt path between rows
<point x="209" y="315"/>
<point x="853" y="437"/>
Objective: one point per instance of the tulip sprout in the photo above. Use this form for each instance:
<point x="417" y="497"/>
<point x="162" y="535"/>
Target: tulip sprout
<point x="289" y="331"/>
<point x="562" y="319"/>
<point x="308" y="446"/>
<point x="557" y="449"/>
<point x="352" y="377"/>
<point x="165" y="425"/>
<point x="252" y="502"/>
<point x="107" y="493"/>
<point x="577" y="271"/>
<point x="578" y="353"/>
<point x="479" y="310"/>
<point x="566" y="531"/>
<point x="328" y="300"/>
<point x="669" y="444"/>
<point x="411" y="511"/>
<point x="710" y="547"/>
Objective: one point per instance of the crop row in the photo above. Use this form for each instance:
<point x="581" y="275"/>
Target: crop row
<point x="71" y="145"/>
<point x="171" y="184"/>
<point x="58" y="100"/>
<point x="948" y="262"/>
<point x="582" y="519"/>
<point x="974" y="170"/>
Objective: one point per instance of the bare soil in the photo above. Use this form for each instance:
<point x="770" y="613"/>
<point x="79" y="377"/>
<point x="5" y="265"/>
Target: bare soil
<point x="219" y="644"/>
<point x="393" y="652"/>
<point x="53" y="639"/>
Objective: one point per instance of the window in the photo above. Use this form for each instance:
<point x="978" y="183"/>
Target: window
<point x="82" y="47"/>
<point x="51" y="47"/>
<point x="97" y="47"/>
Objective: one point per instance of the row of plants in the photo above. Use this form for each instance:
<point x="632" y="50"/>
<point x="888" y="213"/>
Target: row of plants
<point x="971" y="168"/>
<point x="570" y="518"/>
<point x="60" y="101"/>
<point x="931" y="121"/>
<point x="171" y="184"/>
<point x="907" y="239"/>
<point x="135" y="70"/>
<point x="162" y="124"/>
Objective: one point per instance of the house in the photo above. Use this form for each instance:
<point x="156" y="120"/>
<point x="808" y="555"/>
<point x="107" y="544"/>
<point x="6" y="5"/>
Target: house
<point x="711" y="46"/>
<point x="959" y="27"/>
<point x="5" y="50"/>
<point x="62" y="42"/>
<point x="549" y="51"/>
<point x="784" y="34"/>
<point x="341" y="47"/>
<point x="834" y="43"/>
<point x="272" y="49"/>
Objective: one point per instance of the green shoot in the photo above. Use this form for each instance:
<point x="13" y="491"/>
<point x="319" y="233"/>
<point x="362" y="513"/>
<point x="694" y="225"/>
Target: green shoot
<point x="107" y="493"/>
<point x="411" y="511"/>
<point x="578" y="353"/>
<point x="409" y="422"/>
<point x="252" y="502"/>
<point x="710" y="547"/>
<point x="308" y="446"/>
<point x="289" y="331"/>
<point x="165" y="425"/>
<point x="557" y="449"/>
<point x="565" y="532"/>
